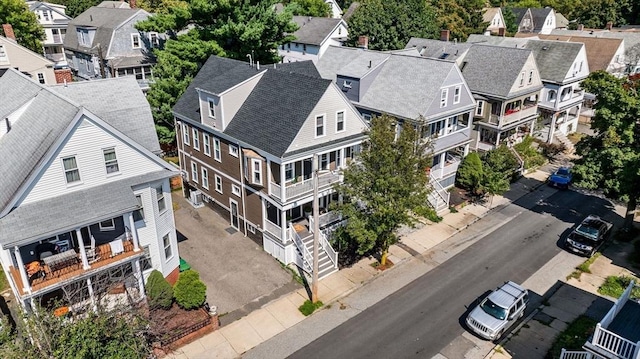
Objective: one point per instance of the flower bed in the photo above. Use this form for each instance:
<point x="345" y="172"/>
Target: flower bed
<point x="168" y="326"/>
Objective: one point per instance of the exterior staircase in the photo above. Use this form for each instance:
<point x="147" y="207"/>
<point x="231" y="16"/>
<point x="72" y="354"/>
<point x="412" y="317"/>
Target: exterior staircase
<point x="327" y="257"/>
<point x="569" y="148"/>
<point x="439" y="197"/>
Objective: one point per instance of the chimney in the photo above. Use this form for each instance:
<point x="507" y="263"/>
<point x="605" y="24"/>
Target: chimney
<point x="501" y="31"/>
<point x="580" y="27"/>
<point x="63" y="76"/>
<point x="444" y="35"/>
<point x="8" y="32"/>
<point x="609" y="25"/>
<point x="363" y="42"/>
<point x="132" y="4"/>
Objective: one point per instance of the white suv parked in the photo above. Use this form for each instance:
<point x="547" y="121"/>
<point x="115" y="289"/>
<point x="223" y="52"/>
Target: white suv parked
<point x="497" y="312"/>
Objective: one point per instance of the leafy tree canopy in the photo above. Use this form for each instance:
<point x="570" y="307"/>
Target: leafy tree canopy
<point x="230" y="28"/>
<point x="460" y="17"/>
<point x="317" y="8"/>
<point x="26" y="28"/>
<point x="611" y="158"/>
<point x="76" y="7"/>
<point x="383" y="186"/>
<point x="390" y="24"/>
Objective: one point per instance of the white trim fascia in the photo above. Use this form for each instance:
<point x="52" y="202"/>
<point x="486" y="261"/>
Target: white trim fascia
<point x="37" y="57"/>
<point x="232" y="87"/>
<point x="341" y="22"/>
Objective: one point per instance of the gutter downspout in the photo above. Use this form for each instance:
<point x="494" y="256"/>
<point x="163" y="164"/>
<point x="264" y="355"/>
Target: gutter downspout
<point x="242" y="191"/>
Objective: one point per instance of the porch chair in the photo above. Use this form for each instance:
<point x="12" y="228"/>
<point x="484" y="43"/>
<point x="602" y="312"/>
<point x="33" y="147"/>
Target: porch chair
<point x="92" y="252"/>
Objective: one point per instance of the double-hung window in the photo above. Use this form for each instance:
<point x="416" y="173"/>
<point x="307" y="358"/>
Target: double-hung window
<point x="218" y="183"/>
<point x="480" y="108"/>
<point x="320" y="125"/>
<point x="162" y="205"/>
<point x="256" y="168"/>
<point x="138" y="214"/>
<point x="324" y="161"/>
<point x="456" y="94"/>
<point x="233" y="150"/>
<point x="288" y="171"/>
<point x="205" y="177"/>
<point x="41" y="78"/>
<point x="212" y="107"/>
<point x="166" y="242"/>
<point x="443" y="97"/>
<point x="194" y="171"/>
<point x="110" y="160"/>
<point x="206" y="143"/>
<point x="196" y="139"/>
<point x="217" y="154"/>
<point x="135" y="41"/>
<point x="71" y="171"/>
<point x="340" y="121"/>
<point x="530" y="77"/>
<point x="185" y="134"/>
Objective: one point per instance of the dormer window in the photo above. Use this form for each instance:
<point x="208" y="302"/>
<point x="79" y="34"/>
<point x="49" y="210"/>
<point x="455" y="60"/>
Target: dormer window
<point x="83" y="37"/>
<point x="135" y="41"/>
<point x="443" y="97"/>
<point x="153" y="39"/>
<point x="212" y="107"/>
<point x="551" y="96"/>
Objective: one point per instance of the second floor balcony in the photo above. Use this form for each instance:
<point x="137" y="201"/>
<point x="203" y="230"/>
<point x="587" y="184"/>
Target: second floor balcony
<point x="296" y="189"/>
<point x="514" y="115"/>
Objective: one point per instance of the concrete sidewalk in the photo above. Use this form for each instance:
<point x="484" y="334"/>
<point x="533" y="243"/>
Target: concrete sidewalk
<point x="275" y="317"/>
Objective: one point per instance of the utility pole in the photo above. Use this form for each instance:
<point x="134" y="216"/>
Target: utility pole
<point x="316" y="230"/>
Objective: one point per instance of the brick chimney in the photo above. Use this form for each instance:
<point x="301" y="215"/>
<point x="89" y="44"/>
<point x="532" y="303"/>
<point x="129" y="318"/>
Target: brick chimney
<point x="609" y="25"/>
<point x="363" y="42"/>
<point x="444" y="35"/>
<point x="8" y="31"/>
<point x="580" y="27"/>
<point x="132" y="4"/>
<point x="63" y="76"/>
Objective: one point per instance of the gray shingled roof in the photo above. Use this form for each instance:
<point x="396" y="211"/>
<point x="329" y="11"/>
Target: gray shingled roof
<point x="554" y="58"/>
<point x="342" y="60"/>
<point x="105" y="20"/>
<point x="493" y="70"/>
<point x="313" y="30"/>
<point x="501" y="40"/>
<point x="539" y="16"/>
<point x="630" y="38"/>
<point x="120" y="103"/>
<point x="284" y="101"/>
<point x="438" y="49"/>
<point x="519" y="12"/>
<point x="35" y="220"/>
<point x="407" y="85"/>
<point x="217" y="75"/>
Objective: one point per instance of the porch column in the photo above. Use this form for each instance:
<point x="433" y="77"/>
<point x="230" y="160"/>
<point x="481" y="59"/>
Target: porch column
<point x="283" y="189"/>
<point x="497" y="139"/>
<point x="83" y="252"/>
<point x="138" y="270"/>
<point x="465" y="152"/>
<point x="552" y="128"/>
<point x="283" y="226"/>
<point x="92" y="295"/>
<point x="134" y="232"/>
<point x="26" y="287"/>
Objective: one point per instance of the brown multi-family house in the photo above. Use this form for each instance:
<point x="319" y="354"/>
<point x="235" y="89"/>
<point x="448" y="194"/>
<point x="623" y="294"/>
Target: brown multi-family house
<point x="247" y="136"/>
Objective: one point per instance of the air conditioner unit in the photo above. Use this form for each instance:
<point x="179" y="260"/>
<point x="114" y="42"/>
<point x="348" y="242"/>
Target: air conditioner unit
<point x="196" y="197"/>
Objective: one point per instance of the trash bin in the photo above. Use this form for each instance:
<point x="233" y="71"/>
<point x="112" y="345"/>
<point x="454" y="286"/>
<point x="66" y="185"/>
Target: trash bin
<point x="184" y="265"/>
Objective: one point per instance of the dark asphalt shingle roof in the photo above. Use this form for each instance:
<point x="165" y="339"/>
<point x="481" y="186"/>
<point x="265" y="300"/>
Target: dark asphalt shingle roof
<point x="554" y="58"/>
<point x="276" y="109"/>
<point x="105" y="20"/>
<point x="539" y="16"/>
<point x="493" y="70"/>
<point x="444" y="50"/>
<point x="313" y="30"/>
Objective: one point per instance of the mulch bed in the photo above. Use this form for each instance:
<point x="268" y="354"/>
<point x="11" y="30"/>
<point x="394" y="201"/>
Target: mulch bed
<point x="174" y="319"/>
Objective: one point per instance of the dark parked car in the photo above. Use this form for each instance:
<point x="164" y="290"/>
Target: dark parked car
<point x="561" y="178"/>
<point x="589" y="235"/>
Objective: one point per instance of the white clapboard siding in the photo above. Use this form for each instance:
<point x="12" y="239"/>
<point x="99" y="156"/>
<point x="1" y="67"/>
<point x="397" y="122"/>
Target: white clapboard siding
<point x="86" y="144"/>
<point x="329" y="105"/>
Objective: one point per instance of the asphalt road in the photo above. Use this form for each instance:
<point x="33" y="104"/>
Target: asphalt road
<point x="421" y="318"/>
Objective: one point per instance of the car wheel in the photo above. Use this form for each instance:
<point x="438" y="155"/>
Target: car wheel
<point x="500" y="334"/>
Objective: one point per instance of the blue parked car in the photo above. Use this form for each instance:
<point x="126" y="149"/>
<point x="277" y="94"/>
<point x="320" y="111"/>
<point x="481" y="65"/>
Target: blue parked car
<point x="561" y="178"/>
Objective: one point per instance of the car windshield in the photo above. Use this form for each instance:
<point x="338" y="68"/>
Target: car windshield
<point x="582" y="239"/>
<point x="562" y="172"/>
<point x="588" y="229"/>
<point x="493" y="309"/>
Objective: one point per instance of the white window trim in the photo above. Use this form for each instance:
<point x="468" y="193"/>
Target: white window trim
<point x="196" y="138"/>
<point x="164" y="247"/>
<point x="151" y="34"/>
<point x="206" y="144"/>
<point x="479" y="108"/>
<point x="233" y="150"/>
<point x="253" y="171"/>
<point x="217" y="150"/>
<point x="64" y="171"/>
<point x="456" y="98"/>
<point x="141" y="209"/>
<point x="211" y="110"/>
<point x="344" y="121"/>
<point x="194" y="172"/>
<point x="251" y="228"/>
<point x="204" y="176"/>
<point x="324" y="126"/>
<point x="133" y="44"/>
<point x="185" y="134"/>
<point x="444" y="96"/>
<point x="112" y="227"/>
<point x="105" y="162"/>
<point x="218" y="182"/>
<point x="522" y="74"/>
<point x="293" y="172"/>
<point x="161" y="198"/>
<point x="235" y="190"/>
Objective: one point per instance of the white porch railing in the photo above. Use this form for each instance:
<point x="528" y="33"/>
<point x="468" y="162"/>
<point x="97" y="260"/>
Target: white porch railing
<point x="569" y="354"/>
<point x="439" y="197"/>
<point x="611" y="342"/>
<point x="323" y="220"/>
<point x="520" y="160"/>
<point x="441" y="171"/>
<point x="307" y="257"/>
<point x="332" y="254"/>
<point x="519" y="115"/>
<point x="304" y="187"/>
<point x="273" y="228"/>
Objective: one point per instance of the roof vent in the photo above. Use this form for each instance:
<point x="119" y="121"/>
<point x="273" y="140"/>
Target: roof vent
<point x="545" y="48"/>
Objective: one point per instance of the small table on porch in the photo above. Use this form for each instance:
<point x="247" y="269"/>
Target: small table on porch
<point x="61" y="260"/>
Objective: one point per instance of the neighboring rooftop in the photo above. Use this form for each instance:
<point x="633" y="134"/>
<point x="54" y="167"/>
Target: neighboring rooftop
<point x="104" y="19"/>
<point x="539" y="16"/>
<point x="437" y="49"/>
<point x="554" y="58"/>
<point x="600" y="51"/>
<point x="489" y="13"/>
<point x="501" y="40"/>
<point x="314" y="30"/>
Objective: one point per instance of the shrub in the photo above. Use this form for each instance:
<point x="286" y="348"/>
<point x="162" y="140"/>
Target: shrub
<point x="189" y="291"/>
<point x="573" y="337"/>
<point x="309" y="307"/>
<point x="614" y="286"/>
<point x="501" y="160"/>
<point x="159" y="291"/>
<point x="530" y="155"/>
<point x="551" y="149"/>
<point x="470" y="173"/>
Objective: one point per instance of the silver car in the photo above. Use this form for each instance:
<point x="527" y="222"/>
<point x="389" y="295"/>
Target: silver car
<point x="497" y="312"/>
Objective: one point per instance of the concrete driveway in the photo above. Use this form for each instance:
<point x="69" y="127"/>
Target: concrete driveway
<point x="239" y="275"/>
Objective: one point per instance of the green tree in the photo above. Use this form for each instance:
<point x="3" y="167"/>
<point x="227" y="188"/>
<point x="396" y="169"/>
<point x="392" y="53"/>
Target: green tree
<point x="470" y="173"/>
<point x="596" y="13"/>
<point x="460" y="17"/>
<point x="76" y="7"/>
<point x="28" y="31"/>
<point x="317" y="8"/>
<point x="494" y="182"/>
<point x="527" y="4"/>
<point x="510" y="21"/>
<point x="390" y="24"/>
<point x="611" y="158"/>
<point x="159" y="291"/>
<point x="501" y="160"/>
<point x="230" y="28"/>
<point x="189" y="291"/>
<point x="383" y="186"/>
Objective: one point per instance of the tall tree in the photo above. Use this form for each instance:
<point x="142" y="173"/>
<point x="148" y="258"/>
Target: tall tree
<point x="611" y="158"/>
<point x="460" y="17"/>
<point x="317" y="8"/>
<point x="510" y="21"/>
<point x="230" y="28"/>
<point x="390" y="24"/>
<point x="28" y="31"/>
<point x="597" y="13"/>
<point x="76" y="7"/>
<point x="383" y="186"/>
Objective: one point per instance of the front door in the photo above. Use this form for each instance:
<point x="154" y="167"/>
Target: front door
<point x="235" y="223"/>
